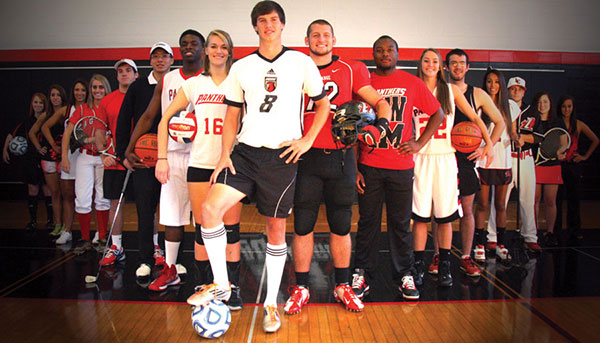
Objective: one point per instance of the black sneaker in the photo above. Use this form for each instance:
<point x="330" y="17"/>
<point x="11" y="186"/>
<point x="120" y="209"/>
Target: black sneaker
<point x="31" y="226"/>
<point x="444" y="276"/>
<point x="408" y="289"/>
<point x="420" y="268"/>
<point x="550" y="239"/>
<point x="235" y="300"/>
<point x="50" y="225"/>
<point x="359" y="285"/>
<point x="82" y="247"/>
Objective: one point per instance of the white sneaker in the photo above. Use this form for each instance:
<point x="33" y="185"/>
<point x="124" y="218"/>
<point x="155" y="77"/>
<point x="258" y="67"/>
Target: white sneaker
<point x="64" y="238"/>
<point x="96" y="239"/>
<point x="180" y="269"/>
<point x="502" y="252"/>
<point x="143" y="270"/>
<point x="479" y="253"/>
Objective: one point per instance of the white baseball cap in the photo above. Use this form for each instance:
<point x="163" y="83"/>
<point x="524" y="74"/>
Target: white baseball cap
<point x="516" y="81"/>
<point x="127" y="61"/>
<point x="161" y="45"/>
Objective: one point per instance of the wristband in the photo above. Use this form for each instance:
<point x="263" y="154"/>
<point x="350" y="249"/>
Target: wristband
<point x="161" y="158"/>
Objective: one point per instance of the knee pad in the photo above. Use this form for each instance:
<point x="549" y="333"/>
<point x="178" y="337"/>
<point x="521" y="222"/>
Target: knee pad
<point x="198" y="235"/>
<point x="303" y="225"/>
<point x="233" y="233"/>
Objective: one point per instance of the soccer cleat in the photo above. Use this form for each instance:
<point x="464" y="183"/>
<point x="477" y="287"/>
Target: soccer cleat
<point x="206" y="293"/>
<point x="235" y="302"/>
<point x="479" y="253"/>
<point x="298" y="297"/>
<point x="113" y="256"/>
<point x="58" y="229"/>
<point x="344" y="294"/>
<point x="533" y="247"/>
<point x="143" y="270"/>
<point x="420" y="272"/>
<point x="434" y="266"/>
<point x="408" y="289"/>
<point x="168" y="277"/>
<point x="502" y="253"/>
<point x="82" y="247"/>
<point x="444" y="276"/>
<point x="491" y="247"/>
<point x="359" y="286"/>
<point x="101" y="245"/>
<point x="64" y="238"/>
<point x="467" y="266"/>
<point x="271" y="321"/>
<point x="159" y="257"/>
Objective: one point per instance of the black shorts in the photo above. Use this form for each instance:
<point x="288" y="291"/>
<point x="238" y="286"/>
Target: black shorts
<point x="468" y="181"/>
<point x="33" y="172"/>
<point x="199" y="174"/>
<point x="112" y="184"/>
<point x="495" y="177"/>
<point x="263" y="177"/>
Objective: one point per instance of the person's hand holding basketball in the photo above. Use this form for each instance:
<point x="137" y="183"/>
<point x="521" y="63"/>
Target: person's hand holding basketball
<point x="162" y="171"/>
<point x="134" y="159"/>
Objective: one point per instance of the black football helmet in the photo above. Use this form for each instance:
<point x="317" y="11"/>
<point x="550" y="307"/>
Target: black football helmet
<point x="348" y="119"/>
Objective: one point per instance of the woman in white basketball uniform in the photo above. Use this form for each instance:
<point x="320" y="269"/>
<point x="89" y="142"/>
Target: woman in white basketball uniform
<point x="435" y="190"/>
<point x="499" y="173"/>
<point x="206" y="92"/>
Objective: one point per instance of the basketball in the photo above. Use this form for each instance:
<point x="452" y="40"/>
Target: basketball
<point x="212" y="320"/>
<point x="466" y="137"/>
<point x="18" y="146"/>
<point x="183" y="127"/>
<point x="147" y="149"/>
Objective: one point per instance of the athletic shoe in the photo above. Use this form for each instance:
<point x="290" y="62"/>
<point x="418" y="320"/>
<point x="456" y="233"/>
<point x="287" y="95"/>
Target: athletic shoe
<point x="444" y="276"/>
<point x="408" y="289"/>
<point x="159" y="257"/>
<point x="58" y="229"/>
<point x="502" y="253"/>
<point x="479" y="253"/>
<point x="271" y="321"/>
<point x="206" y="293"/>
<point x="298" y="297"/>
<point x="112" y="256"/>
<point x="96" y="238"/>
<point x="550" y="239"/>
<point x="82" y="247"/>
<point x="31" y="226"/>
<point x="435" y="262"/>
<point x="467" y="266"/>
<point x="359" y="285"/>
<point x="533" y="247"/>
<point x="235" y="302"/>
<point x="168" y="277"/>
<point x="64" y="238"/>
<point x="101" y="245"/>
<point x="491" y="247"/>
<point x="420" y="272"/>
<point x="143" y="270"/>
<point x="344" y="294"/>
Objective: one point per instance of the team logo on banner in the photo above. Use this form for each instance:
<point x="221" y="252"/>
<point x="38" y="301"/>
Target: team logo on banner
<point x="270" y="81"/>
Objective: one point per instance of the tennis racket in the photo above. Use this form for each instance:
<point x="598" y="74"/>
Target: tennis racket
<point x="555" y="141"/>
<point x="93" y="134"/>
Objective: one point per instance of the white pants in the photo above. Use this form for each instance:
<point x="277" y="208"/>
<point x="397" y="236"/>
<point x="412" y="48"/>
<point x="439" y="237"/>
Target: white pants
<point x="175" y="205"/>
<point x="90" y="171"/>
<point x="526" y="199"/>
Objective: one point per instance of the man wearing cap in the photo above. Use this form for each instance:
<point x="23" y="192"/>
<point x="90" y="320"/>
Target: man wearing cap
<point x="146" y="187"/>
<point x="528" y="122"/>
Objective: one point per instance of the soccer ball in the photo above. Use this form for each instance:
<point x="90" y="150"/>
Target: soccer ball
<point x="212" y="320"/>
<point x="18" y="145"/>
<point x="183" y="127"/>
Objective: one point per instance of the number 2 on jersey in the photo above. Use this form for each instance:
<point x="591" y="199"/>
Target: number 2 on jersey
<point x="332" y="90"/>
<point x="440" y="133"/>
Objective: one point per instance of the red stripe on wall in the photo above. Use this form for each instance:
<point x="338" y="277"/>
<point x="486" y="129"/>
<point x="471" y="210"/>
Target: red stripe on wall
<point x="364" y="53"/>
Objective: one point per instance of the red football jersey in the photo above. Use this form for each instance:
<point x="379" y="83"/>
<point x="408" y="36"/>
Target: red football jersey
<point x="108" y="111"/>
<point x="340" y="80"/>
<point x="405" y="93"/>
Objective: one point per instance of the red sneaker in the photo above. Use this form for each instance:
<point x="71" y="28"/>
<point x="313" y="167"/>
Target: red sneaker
<point x="159" y="257"/>
<point x="435" y="263"/>
<point x="112" y="256"/>
<point x="467" y="266"/>
<point x="479" y="253"/>
<point x="344" y="294"/>
<point x="533" y="246"/>
<point x="298" y="297"/>
<point x="168" y="277"/>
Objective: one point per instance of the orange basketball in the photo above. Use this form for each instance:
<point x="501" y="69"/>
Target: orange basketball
<point x="147" y="149"/>
<point x="466" y="137"/>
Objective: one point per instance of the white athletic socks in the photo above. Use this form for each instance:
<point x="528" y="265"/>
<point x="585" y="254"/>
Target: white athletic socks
<point x="117" y="241"/>
<point x="275" y="261"/>
<point x="156" y="239"/>
<point x="215" y="242"/>
<point x="171" y="252"/>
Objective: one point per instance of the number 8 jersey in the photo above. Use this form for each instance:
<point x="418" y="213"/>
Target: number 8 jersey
<point x="272" y="92"/>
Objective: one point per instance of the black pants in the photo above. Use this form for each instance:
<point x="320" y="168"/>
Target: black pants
<point x="395" y="188"/>
<point x="147" y="195"/>
<point x="571" y="189"/>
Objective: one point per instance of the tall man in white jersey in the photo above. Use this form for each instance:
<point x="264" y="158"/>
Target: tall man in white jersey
<point x="174" y="200"/>
<point x="269" y="84"/>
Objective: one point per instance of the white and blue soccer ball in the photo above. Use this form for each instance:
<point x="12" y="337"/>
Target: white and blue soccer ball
<point x="212" y="320"/>
<point x="18" y="145"/>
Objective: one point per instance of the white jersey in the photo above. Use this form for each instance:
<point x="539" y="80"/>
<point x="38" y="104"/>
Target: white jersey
<point x="441" y="141"/>
<point x="272" y="91"/>
<point x="208" y="101"/>
<point x="172" y="81"/>
<point x="502" y="153"/>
